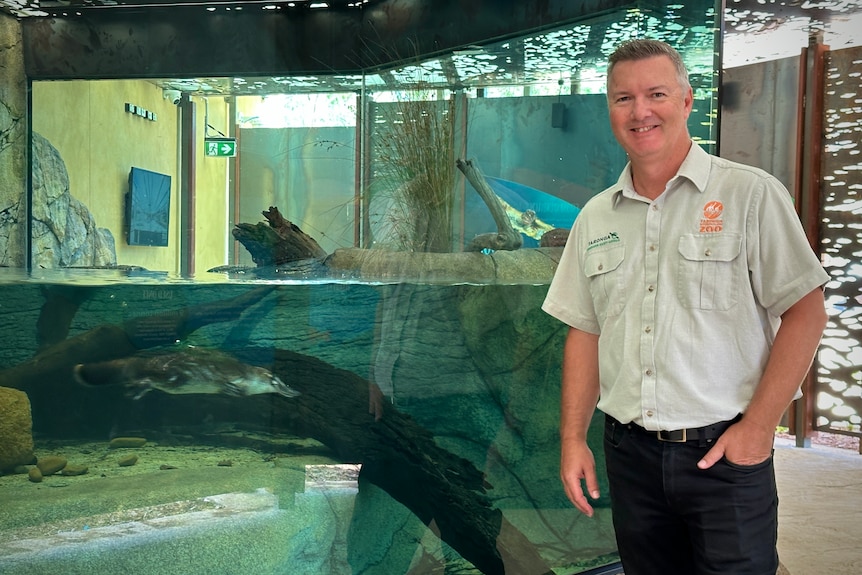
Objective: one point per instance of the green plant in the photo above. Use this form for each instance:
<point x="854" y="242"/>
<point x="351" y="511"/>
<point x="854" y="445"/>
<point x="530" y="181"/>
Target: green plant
<point x="413" y="168"/>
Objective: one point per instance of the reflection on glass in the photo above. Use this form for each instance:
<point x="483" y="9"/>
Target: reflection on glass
<point x="423" y="435"/>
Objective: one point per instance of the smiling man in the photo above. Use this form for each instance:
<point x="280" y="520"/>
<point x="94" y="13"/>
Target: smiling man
<point x="695" y="306"/>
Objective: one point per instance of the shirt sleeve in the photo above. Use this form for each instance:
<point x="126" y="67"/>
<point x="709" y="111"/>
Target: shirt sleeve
<point x="568" y="298"/>
<point x="782" y="264"/>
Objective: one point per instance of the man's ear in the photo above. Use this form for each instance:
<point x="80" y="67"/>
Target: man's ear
<point x="688" y="101"/>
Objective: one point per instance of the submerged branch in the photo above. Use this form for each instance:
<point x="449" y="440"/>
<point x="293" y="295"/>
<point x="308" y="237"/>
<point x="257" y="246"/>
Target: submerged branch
<point x="506" y="237"/>
<point x="403" y="458"/>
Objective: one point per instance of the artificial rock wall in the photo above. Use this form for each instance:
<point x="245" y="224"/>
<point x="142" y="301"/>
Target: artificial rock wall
<point x="13" y="145"/>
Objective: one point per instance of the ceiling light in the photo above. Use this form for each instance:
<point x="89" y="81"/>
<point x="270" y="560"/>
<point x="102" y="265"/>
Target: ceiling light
<point x="318" y="5"/>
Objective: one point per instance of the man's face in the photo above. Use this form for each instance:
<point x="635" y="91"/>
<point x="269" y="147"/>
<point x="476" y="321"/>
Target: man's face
<point x="648" y="108"/>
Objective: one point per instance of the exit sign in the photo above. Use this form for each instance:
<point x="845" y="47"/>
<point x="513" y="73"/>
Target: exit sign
<point x="220" y="147"/>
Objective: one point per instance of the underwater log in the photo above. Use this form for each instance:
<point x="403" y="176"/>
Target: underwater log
<point x="401" y="457"/>
<point x="506" y="237"/>
<point x="58" y="311"/>
<point x="279" y="242"/>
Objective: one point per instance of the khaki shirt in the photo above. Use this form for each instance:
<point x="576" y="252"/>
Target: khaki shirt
<point x="685" y="292"/>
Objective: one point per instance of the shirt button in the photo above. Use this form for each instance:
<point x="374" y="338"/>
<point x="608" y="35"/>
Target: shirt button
<point x="655" y="208"/>
<point x="652" y="248"/>
<point x="650" y="288"/>
<point x="601" y="267"/>
<point x="648" y="372"/>
<point x="707" y="253"/>
<point x="649" y="414"/>
<point x="648" y="329"/>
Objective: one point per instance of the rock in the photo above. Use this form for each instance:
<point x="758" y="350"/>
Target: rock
<point x="16" y="429"/>
<point x="225" y="463"/>
<point x="166" y="467"/>
<point x="555" y="238"/>
<point x="51" y="464"/>
<point x="64" y="231"/>
<point x="119" y="442"/>
<point x="34" y="475"/>
<point x="74" y="470"/>
<point x="128" y="460"/>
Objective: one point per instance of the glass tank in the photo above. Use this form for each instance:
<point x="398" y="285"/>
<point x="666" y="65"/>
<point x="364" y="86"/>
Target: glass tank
<point x="338" y="362"/>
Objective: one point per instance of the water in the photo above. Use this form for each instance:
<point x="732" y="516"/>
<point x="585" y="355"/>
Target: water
<point x="428" y="414"/>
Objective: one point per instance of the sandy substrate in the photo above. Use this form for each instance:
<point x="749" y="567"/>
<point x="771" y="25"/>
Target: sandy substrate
<point x="162" y="476"/>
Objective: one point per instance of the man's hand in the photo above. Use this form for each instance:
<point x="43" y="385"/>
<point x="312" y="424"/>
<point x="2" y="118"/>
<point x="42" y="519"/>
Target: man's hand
<point x="750" y="441"/>
<point x="742" y="444"/>
<point x="375" y="401"/>
<point x="577" y="463"/>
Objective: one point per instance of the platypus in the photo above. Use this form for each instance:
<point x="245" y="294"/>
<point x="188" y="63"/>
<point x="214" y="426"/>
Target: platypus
<point x="192" y="370"/>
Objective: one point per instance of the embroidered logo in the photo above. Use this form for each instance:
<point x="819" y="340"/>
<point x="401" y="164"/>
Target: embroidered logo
<point x="609" y="238"/>
<point x="711" y="221"/>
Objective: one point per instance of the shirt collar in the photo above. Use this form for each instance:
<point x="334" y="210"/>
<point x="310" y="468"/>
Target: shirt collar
<point x="695" y="168"/>
<point x="624" y="186"/>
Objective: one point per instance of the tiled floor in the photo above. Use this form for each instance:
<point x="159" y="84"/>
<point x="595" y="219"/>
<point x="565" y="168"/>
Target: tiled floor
<point x="820" y="509"/>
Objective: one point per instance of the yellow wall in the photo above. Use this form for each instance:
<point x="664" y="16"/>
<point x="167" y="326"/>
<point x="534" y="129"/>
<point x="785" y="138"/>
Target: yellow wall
<point x="99" y="142"/>
<point x="212" y="200"/>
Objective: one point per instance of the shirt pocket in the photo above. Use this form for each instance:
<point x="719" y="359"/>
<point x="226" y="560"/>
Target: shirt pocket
<point x="604" y="270"/>
<point x="709" y="270"/>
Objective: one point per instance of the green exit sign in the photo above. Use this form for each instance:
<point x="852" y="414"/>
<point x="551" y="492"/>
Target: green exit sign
<point x="220" y="147"/>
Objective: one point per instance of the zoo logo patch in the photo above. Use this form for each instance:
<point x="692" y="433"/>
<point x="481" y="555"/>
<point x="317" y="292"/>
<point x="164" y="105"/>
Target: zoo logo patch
<point x="711" y="221"/>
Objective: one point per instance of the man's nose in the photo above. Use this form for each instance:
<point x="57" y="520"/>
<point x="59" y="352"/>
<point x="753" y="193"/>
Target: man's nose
<point x="640" y="108"/>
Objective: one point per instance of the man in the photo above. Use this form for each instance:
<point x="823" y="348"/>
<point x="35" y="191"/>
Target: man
<point x="695" y="308"/>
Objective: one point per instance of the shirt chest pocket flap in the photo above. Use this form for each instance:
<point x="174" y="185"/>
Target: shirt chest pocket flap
<point x="607" y="286"/>
<point x="709" y="270"/>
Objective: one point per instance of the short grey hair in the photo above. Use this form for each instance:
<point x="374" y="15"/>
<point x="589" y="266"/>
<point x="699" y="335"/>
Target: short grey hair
<point x="642" y="48"/>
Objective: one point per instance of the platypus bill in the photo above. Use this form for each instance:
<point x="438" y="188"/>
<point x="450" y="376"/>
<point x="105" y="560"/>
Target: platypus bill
<point x="193" y="370"/>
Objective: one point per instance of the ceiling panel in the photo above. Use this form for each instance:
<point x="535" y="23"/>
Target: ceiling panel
<point x="76" y="8"/>
<point x="754" y="30"/>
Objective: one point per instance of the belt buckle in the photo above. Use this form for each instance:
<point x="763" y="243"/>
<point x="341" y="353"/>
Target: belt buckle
<point x="671" y="436"/>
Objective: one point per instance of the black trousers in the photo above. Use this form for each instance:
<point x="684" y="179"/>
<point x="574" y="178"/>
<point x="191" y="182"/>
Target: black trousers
<point x="672" y="518"/>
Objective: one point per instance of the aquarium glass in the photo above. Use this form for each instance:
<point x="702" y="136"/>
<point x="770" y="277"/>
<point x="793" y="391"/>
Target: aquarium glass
<point x="338" y="363"/>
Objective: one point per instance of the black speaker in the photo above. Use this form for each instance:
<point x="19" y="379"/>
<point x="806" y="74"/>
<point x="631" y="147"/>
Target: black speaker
<point x="730" y="96"/>
<point x="558" y="115"/>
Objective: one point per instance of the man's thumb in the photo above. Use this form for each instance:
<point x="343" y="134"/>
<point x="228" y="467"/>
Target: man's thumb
<point x="711" y="457"/>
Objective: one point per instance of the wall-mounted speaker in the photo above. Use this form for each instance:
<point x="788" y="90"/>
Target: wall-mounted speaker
<point x="558" y="115"/>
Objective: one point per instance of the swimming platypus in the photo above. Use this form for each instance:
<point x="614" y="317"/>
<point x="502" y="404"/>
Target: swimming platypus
<point x="192" y="370"/>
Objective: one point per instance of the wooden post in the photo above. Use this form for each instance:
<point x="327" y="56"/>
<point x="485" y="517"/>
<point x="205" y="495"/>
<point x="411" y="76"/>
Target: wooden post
<point x="809" y="151"/>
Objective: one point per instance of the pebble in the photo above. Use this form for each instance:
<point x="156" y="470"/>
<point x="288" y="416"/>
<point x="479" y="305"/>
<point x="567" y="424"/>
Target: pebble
<point x="51" y="464"/>
<point x="165" y="466"/>
<point x="128" y="460"/>
<point x="225" y="463"/>
<point x="118" y="442"/>
<point x="34" y="475"/>
<point x="74" y="470"/>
